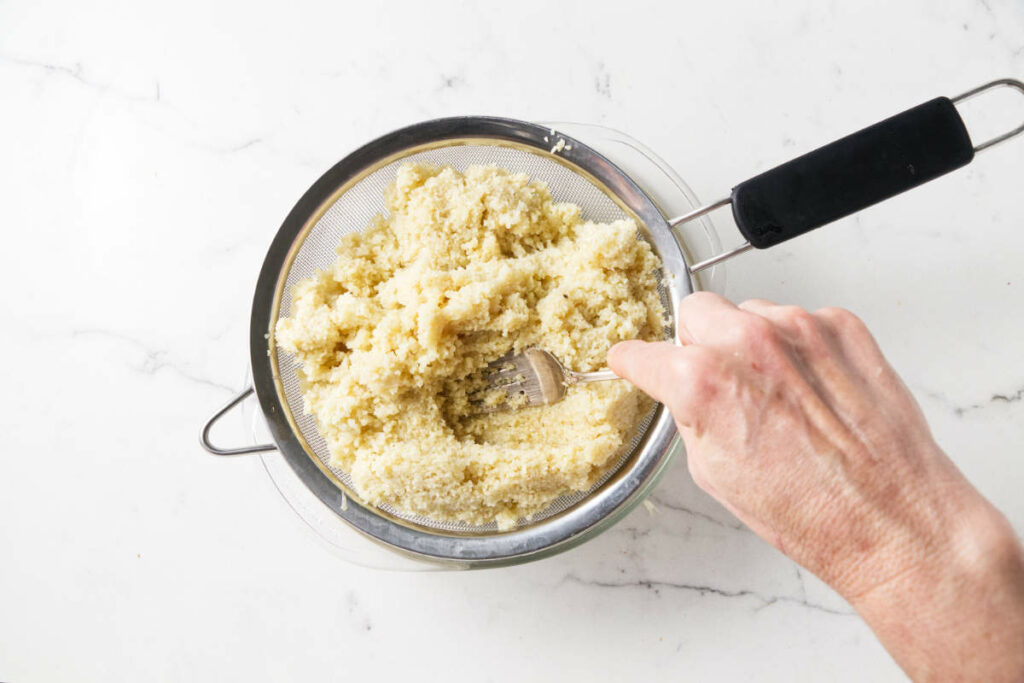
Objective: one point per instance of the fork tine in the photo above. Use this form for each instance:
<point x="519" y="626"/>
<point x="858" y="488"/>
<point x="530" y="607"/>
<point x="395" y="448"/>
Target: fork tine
<point x="512" y="375"/>
<point x="518" y="379"/>
<point x="502" y="361"/>
<point x="482" y="407"/>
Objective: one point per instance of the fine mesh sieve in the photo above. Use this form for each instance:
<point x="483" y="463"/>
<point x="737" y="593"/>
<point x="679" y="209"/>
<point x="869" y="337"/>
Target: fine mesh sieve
<point x="345" y="200"/>
<point x="352" y="211"/>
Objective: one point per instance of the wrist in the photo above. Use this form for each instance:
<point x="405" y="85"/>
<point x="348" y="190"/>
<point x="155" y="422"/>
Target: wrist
<point x="973" y="543"/>
<point x="959" y="607"/>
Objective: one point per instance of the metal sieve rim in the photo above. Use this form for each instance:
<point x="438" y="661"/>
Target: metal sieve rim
<point x="621" y="491"/>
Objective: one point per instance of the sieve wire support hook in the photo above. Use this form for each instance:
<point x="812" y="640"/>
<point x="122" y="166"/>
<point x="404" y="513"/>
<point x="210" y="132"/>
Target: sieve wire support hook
<point x="697" y="213"/>
<point x="974" y="92"/>
<point x="852" y="173"/>
<point x="204" y="435"/>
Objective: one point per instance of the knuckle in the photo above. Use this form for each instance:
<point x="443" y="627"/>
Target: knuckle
<point x="758" y="332"/>
<point x="680" y="366"/>
<point x="699" y="370"/>
<point x="804" y="329"/>
<point x="699" y="300"/>
<point x="756" y="305"/>
<point x="842" y="320"/>
<point x="797" y="317"/>
<point x="830" y="313"/>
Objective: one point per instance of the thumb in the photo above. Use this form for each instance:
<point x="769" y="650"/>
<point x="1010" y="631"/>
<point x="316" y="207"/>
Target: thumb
<point x="644" y="364"/>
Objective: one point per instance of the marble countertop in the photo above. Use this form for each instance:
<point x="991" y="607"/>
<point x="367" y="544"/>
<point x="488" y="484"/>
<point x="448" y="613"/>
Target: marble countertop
<point x="149" y="153"/>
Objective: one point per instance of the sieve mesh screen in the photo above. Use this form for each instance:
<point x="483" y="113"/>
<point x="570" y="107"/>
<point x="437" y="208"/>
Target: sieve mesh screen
<point x="351" y="212"/>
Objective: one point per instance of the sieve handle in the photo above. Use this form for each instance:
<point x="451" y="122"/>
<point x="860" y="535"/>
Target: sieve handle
<point x="204" y="436"/>
<point x="852" y="173"/>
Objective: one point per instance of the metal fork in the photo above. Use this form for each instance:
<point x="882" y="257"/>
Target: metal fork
<point x="531" y="378"/>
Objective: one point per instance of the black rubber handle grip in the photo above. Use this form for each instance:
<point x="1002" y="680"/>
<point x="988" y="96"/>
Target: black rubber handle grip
<point x="853" y="173"/>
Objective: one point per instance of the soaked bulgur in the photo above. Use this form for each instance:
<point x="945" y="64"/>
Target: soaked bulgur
<point x="463" y="268"/>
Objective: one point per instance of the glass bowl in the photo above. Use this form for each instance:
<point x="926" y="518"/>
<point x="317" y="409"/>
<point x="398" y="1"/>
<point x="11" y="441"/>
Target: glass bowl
<point x="699" y="240"/>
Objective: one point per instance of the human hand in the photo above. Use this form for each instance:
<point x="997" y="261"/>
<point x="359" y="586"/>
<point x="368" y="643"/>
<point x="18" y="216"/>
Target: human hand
<point x="797" y="424"/>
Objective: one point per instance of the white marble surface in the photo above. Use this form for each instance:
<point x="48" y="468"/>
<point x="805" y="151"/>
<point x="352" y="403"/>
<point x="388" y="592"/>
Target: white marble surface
<point x="147" y="155"/>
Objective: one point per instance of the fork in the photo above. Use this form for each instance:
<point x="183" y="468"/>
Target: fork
<point x="531" y="378"/>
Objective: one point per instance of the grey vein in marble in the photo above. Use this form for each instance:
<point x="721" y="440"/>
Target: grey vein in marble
<point x="800" y="582"/>
<point x="1008" y="398"/>
<point x="603" y="82"/>
<point x="675" y="507"/>
<point x="154" y="360"/>
<point x="451" y="82"/>
<point x="353" y="607"/>
<point x="962" y="410"/>
<point x="703" y="590"/>
<point x="634" y="533"/>
<point x="231" y="149"/>
<point x="77" y="73"/>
